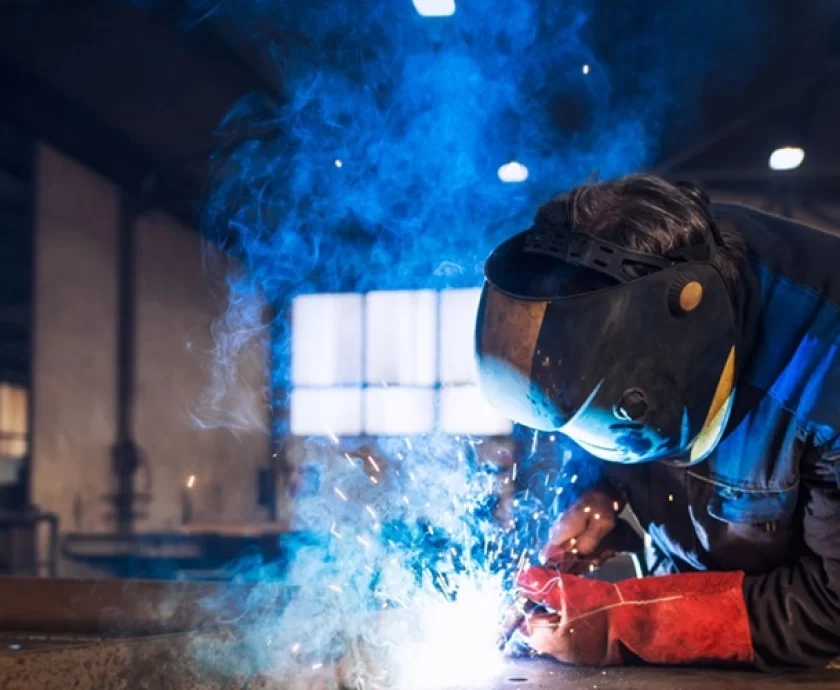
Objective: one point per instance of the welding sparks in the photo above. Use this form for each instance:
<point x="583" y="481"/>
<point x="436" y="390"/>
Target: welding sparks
<point x="451" y="613"/>
<point x="448" y="643"/>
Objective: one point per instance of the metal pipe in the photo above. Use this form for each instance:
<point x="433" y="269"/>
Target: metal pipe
<point x="125" y="457"/>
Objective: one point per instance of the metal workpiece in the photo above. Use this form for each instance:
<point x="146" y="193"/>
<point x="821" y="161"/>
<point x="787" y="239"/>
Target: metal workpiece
<point x="222" y="660"/>
<point x="544" y="674"/>
<point x="109" y="635"/>
<point x="129" y="608"/>
<point x="188" y="661"/>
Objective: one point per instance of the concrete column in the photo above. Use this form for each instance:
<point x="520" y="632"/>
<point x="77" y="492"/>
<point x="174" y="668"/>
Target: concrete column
<point x="74" y="354"/>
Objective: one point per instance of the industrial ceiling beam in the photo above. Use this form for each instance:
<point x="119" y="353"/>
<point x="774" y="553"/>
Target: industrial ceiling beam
<point x="779" y="98"/>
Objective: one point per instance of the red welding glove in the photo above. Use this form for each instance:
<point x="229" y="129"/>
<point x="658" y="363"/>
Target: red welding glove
<point x="675" y="619"/>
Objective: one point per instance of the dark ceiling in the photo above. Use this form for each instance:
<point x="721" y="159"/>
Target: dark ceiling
<point x="138" y="95"/>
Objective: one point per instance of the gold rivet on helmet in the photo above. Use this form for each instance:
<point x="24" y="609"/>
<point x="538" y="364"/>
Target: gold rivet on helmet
<point x="690" y="296"/>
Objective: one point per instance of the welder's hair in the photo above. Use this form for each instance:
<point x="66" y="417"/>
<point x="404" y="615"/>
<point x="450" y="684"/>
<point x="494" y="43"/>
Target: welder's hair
<point x="647" y="214"/>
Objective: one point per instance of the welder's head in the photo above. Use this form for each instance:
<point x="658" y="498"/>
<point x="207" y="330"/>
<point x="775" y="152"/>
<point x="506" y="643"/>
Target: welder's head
<point x="611" y="320"/>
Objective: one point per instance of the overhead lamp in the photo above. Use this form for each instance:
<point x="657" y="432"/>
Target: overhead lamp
<point x="513" y="172"/>
<point x="786" y="158"/>
<point x="435" y="8"/>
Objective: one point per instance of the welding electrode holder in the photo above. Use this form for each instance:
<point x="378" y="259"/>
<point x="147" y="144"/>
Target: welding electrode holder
<point x="513" y="617"/>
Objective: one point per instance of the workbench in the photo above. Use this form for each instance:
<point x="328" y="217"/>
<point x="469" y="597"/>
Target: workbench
<point x="110" y="635"/>
<point x="180" y="662"/>
<point x="541" y="674"/>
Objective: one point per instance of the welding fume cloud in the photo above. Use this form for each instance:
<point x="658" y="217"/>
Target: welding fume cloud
<point x="421" y="113"/>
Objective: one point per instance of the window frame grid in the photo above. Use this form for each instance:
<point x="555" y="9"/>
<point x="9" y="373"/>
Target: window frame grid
<point x="436" y="388"/>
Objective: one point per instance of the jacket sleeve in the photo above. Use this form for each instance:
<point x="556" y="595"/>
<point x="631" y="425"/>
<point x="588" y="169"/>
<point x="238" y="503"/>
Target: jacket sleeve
<point x="794" y="611"/>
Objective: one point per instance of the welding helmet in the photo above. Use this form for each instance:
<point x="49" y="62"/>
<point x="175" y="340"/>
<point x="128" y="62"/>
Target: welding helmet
<point x="635" y="369"/>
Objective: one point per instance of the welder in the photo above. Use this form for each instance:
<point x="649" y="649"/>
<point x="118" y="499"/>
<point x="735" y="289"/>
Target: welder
<point x="690" y="349"/>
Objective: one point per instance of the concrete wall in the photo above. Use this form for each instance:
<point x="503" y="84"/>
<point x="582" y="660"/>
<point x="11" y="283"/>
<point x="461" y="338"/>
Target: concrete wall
<point x="75" y="364"/>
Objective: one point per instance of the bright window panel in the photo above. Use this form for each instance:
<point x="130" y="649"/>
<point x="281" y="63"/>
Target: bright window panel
<point x="327" y="340"/>
<point x="14" y="420"/>
<point x="399" y="411"/>
<point x="400" y="329"/>
<point x="463" y="410"/>
<point x="458" y="310"/>
<point x="324" y="411"/>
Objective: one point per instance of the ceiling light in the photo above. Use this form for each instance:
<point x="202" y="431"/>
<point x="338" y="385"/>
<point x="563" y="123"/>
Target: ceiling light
<point x="435" y="8"/>
<point x="513" y="172"/>
<point x="786" y="158"/>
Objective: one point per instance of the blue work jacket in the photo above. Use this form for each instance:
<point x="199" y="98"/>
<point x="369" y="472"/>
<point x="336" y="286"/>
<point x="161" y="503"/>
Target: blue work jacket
<point x="766" y="500"/>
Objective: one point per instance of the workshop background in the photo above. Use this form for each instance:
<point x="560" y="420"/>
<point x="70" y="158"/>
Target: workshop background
<point x="163" y="374"/>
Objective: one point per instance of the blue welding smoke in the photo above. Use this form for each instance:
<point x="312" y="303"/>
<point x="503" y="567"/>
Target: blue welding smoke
<point x="421" y="113"/>
<point x="374" y="165"/>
